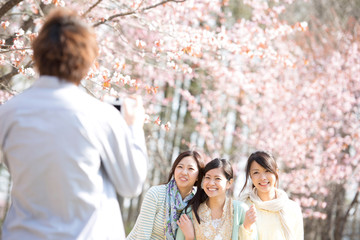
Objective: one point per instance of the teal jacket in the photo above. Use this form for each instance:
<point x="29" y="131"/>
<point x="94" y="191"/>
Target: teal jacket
<point x="240" y="209"/>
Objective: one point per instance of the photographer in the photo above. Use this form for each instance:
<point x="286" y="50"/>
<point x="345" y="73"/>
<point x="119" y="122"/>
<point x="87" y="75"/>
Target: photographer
<point x="67" y="152"/>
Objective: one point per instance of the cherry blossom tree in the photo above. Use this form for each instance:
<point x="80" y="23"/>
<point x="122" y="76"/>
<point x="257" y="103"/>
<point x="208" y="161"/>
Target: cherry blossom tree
<point x="226" y="77"/>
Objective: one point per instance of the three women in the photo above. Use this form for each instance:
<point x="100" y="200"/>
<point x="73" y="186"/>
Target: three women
<point x="276" y="216"/>
<point x="265" y="213"/>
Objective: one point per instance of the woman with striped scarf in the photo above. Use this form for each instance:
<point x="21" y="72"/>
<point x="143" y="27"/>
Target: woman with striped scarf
<point x="163" y="204"/>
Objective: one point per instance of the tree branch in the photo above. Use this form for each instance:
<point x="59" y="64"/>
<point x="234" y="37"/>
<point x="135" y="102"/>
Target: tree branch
<point x="6" y="88"/>
<point x="352" y="204"/>
<point x="16" y="49"/>
<point x="343" y="219"/>
<point x="5" y="79"/>
<point x="136" y="11"/>
<point x="88" y="90"/>
<point x="91" y="8"/>
<point x="7" y="6"/>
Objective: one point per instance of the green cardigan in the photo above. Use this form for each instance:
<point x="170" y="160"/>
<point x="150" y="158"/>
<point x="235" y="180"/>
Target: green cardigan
<point x="240" y="209"/>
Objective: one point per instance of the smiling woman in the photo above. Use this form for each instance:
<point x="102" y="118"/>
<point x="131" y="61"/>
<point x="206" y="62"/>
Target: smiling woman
<point x="186" y="174"/>
<point x="278" y="217"/>
<point x="163" y="204"/>
<point x="211" y="214"/>
<point x="264" y="179"/>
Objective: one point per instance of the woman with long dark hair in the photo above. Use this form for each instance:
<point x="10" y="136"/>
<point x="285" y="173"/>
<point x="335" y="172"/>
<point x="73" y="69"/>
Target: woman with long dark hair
<point x="278" y="217"/>
<point x="213" y="215"/>
<point x="163" y="204"/>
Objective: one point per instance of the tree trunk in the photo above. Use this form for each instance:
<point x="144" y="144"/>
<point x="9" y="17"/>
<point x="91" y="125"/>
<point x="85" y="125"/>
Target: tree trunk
<point x="7" y="6"/>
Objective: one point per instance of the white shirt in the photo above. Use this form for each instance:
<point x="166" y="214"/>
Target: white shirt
<point x="67" y="154"/>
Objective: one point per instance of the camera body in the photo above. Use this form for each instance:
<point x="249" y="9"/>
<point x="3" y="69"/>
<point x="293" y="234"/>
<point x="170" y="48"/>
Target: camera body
<point x="115" y="101"/>
<point x="117" y="104"/>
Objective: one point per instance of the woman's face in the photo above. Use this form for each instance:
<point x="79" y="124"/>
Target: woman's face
<point x="186" y="173"/>
<point x="215" y="183"/>
<point x="263" y="179"/>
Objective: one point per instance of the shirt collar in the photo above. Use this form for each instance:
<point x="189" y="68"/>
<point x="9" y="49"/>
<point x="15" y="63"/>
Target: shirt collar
<point x="45" y="81"/>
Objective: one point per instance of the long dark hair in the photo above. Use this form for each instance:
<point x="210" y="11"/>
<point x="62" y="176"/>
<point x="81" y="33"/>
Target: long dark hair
<point x="264" y="159"/>
<point x="197" y="157"/>
<point x="200" y="195"/>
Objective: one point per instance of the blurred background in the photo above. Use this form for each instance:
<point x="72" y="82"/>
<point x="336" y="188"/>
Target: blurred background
<point x="226" y="77"/>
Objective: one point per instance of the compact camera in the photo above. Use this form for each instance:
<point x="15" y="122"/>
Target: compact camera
<point x="115" y="101"/>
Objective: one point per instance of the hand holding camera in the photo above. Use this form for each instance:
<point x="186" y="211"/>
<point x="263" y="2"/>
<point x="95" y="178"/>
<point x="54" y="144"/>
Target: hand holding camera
<point x="133" y="111"/>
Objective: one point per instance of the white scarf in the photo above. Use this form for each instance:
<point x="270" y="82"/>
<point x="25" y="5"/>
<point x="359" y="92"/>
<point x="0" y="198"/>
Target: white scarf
<point x="276" y="206"/>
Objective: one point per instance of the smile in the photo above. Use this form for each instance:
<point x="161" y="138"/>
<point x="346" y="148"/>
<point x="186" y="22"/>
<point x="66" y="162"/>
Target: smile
<point x="183" y="178"/>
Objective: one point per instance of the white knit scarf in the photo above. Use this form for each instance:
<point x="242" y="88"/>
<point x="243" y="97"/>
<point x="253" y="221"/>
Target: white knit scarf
<point x="276" y="206"/>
